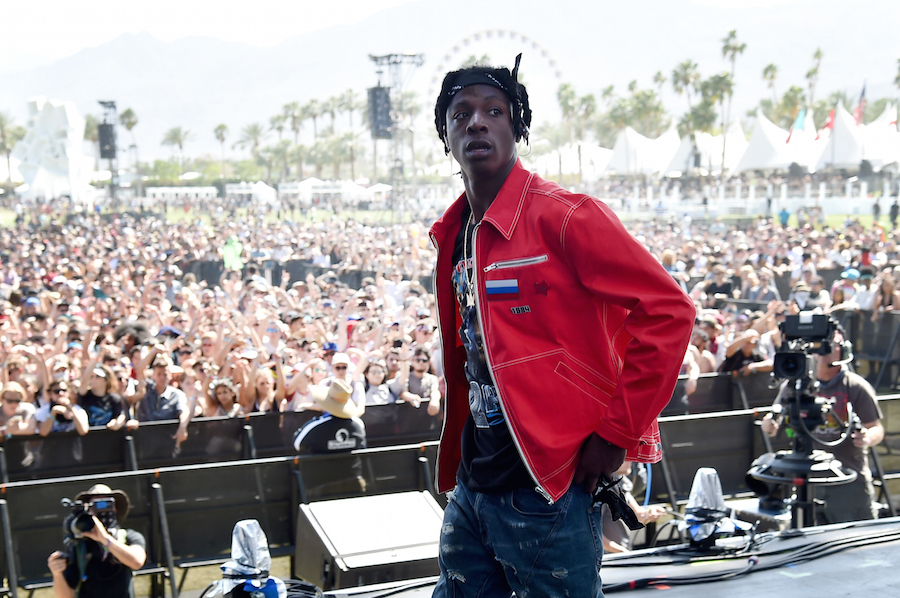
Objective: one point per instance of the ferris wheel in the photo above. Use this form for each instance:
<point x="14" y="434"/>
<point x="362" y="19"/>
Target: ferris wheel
<point x="494" y="40"/>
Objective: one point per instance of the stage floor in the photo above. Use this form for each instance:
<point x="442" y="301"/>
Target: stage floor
<point x="856" y="560"/>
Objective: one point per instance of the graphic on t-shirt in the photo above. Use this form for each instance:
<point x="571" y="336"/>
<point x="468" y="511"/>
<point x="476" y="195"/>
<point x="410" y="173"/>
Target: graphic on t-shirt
<point x="483" y="401"/>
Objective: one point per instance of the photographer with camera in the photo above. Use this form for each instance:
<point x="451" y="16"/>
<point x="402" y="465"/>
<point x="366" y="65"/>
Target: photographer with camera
<point x="100" y="556"/>
<point x="852" y="501"/>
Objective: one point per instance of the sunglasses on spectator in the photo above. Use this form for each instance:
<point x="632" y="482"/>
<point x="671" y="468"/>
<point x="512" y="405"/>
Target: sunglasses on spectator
<point x="422" y="359"/>
<point x="7" y="399"/>
<point x="59" y="391"/>
<point x="340" y="367"/>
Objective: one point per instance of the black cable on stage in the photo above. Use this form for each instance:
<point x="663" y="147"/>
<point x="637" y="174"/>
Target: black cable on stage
<point x="779" y="558"/>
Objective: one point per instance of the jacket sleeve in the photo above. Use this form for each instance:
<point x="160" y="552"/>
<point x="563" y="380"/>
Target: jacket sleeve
<point x="643" y="301"/>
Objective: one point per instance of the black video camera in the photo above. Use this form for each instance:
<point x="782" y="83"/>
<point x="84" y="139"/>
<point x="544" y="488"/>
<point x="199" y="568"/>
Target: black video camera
<point x="81" y="519"/>
<point x="805" y="335"/>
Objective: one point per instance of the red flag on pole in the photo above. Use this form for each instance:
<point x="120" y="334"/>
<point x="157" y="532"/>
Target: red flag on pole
<point x="861" y="107"/>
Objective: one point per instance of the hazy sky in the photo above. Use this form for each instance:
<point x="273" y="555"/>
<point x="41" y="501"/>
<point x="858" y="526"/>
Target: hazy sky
<point x="39" y="31"/>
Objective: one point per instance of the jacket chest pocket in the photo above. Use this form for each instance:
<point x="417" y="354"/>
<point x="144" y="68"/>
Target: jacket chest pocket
<point x="513" y="278"/>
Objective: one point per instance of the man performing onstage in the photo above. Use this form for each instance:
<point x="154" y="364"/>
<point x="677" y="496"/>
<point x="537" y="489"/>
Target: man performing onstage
<point x="562" y="340"/>
<point x="853" y="501"/>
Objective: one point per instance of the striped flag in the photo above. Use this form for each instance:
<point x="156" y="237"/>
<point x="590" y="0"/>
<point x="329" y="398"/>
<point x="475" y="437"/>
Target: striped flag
<point x="860" y="111"/>
<point x="502" y="289"/>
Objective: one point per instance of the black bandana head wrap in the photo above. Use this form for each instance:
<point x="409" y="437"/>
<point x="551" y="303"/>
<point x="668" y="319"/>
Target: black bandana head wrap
<point x="500" y="78"/>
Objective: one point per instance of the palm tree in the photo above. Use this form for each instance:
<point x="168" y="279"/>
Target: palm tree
<point x="129" y="120"/>
<point x="265" y="157"/>
<point x="769" y="74"/>
<point x="10" y="135"/>
<point x="177" y="137"/>
<point x="298" y="153"/>
<point x="281" y="154"/>
<point x="92" y="133"/>
<point x="718" y="88"/>
<point x="349" y="104"/>
<point x="587" y="106"/>
<point x="684" y="78"/>
<point x="608" y="95"/>
<point x="812" y="75"/>
<point x="278" y="123"/>
<point x="567" y="100"/>
<point x="294" y="117"/>
<point x="409" y="109"/>
<point x="312" y="110"/>
<point x="659" y="80"/>
<point x="221" y="132"/>
<point x="331" y="107"/>
<point x="252" y="137"/>
<point x="731" y="47"/>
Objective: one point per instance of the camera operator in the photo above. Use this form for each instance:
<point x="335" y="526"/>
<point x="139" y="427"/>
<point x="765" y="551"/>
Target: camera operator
<point x="853" y="501"/>
<point x="100" y="562"/>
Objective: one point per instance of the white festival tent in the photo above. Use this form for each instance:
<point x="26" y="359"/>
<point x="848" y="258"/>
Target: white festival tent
<point x="257" y="192"/>
<point x="881" y="141"/>
<point x="709" y="149"/>
<point x="594" y="160"/>
<point x="635" y="154"/>
<point x="844" y="148"/>
<point x="805" y="145"/>
<point x="767" y="149"/>
<point x="50" y="155"/>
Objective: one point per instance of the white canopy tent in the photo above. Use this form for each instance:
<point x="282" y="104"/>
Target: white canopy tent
<point x="635" y="154"/>
<point x="767" y="149"/>
<point x="594" y="160"/>
<point x="881" y="141"/>
<point x="704" y="151"/>
<point x="805" y="145"/>
<point x="844" y="148"/>
<point x="257" y="192"/>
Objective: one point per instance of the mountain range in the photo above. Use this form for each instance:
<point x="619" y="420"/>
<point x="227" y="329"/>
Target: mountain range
<point x="197" y="83"/>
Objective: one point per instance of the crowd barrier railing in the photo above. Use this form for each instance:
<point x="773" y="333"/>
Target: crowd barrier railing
<point x="186" y="512"/>
<point x="214" y="439"/>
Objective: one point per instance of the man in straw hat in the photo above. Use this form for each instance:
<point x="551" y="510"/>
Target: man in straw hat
<point x="102" y="558"/>
<point x="338" y="430"/>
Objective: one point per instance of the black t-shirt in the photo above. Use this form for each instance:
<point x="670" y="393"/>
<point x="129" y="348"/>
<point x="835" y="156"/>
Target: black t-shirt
<point x="490" y="460"/>
<point x="106" y="577"/>
<point x="101" y="410"/>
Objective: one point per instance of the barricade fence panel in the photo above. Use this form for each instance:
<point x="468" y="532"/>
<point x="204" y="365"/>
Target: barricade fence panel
<point x="201" y="502"/>
<point x="209" y="440"/>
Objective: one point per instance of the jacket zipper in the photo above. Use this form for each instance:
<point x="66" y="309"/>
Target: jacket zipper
<point x="525" y="261"/>
<point x="508" y="264"/>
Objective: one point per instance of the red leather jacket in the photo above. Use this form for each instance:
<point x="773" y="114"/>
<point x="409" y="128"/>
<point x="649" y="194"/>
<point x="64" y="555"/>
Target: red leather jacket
<point x="584" y="331"/>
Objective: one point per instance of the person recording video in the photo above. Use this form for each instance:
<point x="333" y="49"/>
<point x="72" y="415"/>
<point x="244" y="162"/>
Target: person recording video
<point x="100" y="555"/>
<point x="852" y="501"/>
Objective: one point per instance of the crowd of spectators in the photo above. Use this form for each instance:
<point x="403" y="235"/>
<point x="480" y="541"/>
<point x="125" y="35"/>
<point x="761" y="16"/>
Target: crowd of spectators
<point x="100" y="326"/>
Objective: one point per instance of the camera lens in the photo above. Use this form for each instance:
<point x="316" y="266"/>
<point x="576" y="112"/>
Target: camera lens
<point x="82" y="523"/>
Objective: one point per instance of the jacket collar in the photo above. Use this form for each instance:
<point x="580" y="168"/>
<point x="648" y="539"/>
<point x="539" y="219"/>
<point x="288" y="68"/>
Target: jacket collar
<point x="505" y="210"/>
<point x="510" y="201"/>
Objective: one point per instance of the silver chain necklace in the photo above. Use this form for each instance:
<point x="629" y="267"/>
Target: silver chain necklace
<point x="470" y="290"/>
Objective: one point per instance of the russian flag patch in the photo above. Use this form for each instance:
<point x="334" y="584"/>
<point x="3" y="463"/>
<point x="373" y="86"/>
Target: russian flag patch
<point x="502" y="289"/>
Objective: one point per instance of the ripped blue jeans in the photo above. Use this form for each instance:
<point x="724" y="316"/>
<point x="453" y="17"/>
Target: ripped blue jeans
<point x="499" y="543"/>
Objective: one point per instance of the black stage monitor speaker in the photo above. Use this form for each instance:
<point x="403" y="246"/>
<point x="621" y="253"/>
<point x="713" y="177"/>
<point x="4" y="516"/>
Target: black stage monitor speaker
<point x="351" y="542"/>
<point x="107" y="135"/>
<point x="380" y="112"/>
